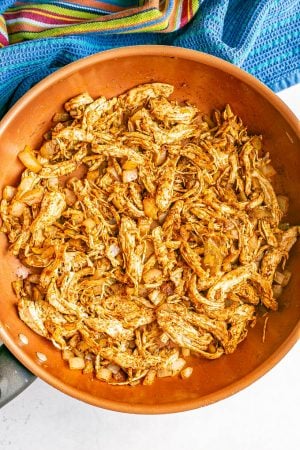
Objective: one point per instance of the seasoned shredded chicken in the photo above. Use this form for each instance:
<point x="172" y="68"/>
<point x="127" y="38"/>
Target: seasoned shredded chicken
<point x="150" y="231"/>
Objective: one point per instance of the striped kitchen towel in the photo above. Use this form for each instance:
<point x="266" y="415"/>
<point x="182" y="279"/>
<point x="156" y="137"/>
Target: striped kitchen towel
<point x="31" y="20"/>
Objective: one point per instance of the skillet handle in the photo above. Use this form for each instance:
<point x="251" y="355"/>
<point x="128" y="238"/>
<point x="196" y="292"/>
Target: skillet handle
<point x="14" y="377"/>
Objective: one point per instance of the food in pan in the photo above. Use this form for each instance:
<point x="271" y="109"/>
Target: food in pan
<point x="151" y="233"/>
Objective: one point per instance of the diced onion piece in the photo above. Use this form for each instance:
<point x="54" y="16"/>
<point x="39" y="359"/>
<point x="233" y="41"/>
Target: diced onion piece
<point x="178" y="365"/>
<point x="268" y="171"/>
<point x="283" y="203"/>
<point x="160" y="157"/>
<point x="149" y="378"/>
<point x="29" y="160"/>
<point x="155" y="296"/>
<point x="76" y="363"/>
<point x="114" y="368"/>
<point x="22" y="272"/>
<point x="41" y="357"/>
<point x="23" y="339"/>
<point x="150" y="208"/>
<point x="162" y="373"/>
<point x="114" y="250"/>
<point x="234" y="234"/>
<point x="172" y="369"/>
<point x="186" y="373"/>
<point x="185" y="352"/>
<point x="129" y="165"/>
<point x="277" y="290"/>
<point x="152" y="275"/>
<point x="129" y="175"/>
<point x="67" y="354"/>
<point x="103" y="374"/>
<point x="17" y="208"/>
<point x="8" y="192"/>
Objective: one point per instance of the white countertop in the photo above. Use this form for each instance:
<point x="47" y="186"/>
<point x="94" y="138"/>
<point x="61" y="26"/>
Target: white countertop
<point x="265" y="416"/>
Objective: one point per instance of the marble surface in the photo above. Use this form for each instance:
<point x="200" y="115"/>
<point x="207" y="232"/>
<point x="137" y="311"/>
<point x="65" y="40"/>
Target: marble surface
<point x="265" y="416"/>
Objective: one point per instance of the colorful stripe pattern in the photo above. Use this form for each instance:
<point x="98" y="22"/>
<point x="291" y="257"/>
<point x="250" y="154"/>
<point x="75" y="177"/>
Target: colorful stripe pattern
<point x="26" y="20"/>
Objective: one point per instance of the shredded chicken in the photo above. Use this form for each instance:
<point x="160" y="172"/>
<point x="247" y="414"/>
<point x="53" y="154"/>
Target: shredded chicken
<point x="150" y="232"/>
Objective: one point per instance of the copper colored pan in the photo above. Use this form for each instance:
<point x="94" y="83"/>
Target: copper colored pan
<point x="209" y="83"/>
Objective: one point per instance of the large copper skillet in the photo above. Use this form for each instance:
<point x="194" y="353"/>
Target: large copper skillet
<point x="209" y="83"/>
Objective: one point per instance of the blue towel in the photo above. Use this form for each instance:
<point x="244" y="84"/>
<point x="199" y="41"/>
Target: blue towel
<point x="261" y="36"/>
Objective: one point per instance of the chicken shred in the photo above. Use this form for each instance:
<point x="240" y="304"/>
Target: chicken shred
<point x="130" y="277"/>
